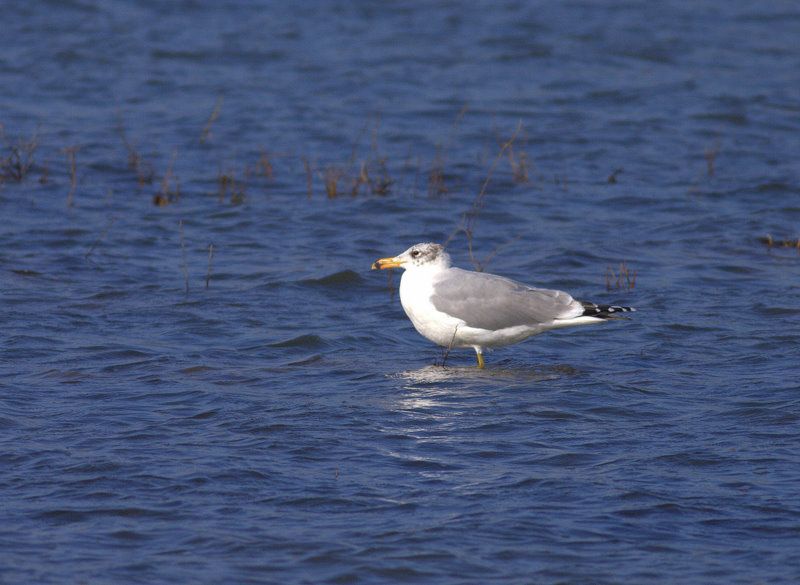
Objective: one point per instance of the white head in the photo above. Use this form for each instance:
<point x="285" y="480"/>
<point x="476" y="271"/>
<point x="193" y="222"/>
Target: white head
<point x="417" y="256"/>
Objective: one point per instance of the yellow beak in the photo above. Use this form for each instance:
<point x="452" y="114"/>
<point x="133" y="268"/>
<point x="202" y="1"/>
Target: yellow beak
<point x="384" y="263"/>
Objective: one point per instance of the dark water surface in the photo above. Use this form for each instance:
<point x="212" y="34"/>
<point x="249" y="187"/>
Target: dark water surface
<point x="270" y="416"/>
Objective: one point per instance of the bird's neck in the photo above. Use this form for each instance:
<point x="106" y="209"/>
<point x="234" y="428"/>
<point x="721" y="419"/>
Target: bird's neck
<point x="428" y="269"/>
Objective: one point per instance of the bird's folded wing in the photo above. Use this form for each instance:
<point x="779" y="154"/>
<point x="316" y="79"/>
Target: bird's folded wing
<point x="492" y="302"/>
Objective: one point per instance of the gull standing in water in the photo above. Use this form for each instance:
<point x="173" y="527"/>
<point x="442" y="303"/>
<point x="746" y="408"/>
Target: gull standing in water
<point x="461" y="308"/>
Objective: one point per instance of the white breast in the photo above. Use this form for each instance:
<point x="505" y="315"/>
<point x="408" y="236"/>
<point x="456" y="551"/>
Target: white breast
<point x="416" y="288"/>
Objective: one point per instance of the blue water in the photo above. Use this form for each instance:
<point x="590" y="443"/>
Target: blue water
<point x="219" y="390"/>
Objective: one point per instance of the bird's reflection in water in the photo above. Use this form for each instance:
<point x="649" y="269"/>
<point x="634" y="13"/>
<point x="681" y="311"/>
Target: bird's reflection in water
<point x="433" y="385"/>
<point x="439" y="374"/>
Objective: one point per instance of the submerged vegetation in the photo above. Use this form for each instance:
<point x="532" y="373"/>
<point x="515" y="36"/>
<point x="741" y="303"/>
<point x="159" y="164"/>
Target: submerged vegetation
<point x="18" y="156"/>
<point x="169" y="189"/>
<point x="368" y="171"/>
<point x="623" y="279"/>
<point x="789" y="243"/>
<point x="72" y="160"/>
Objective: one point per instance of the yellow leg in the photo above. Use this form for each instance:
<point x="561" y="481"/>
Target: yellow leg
<point x="480" y="359"/>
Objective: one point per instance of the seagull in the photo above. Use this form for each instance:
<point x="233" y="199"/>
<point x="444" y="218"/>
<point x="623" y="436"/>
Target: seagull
<point x="460" y="308"/>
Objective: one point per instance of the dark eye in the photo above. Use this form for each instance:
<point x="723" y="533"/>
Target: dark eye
<point x="415" y="254"/>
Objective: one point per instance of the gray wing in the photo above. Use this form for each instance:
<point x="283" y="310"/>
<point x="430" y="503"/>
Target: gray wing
<point x="492" y="302"/>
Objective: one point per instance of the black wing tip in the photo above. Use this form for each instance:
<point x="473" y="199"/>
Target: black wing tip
<point x="604" y="311"/>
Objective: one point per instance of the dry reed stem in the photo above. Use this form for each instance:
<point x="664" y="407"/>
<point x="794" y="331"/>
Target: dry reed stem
<point x="490" y="256"/>
<point x="102" y="237"/>
<point x="331" y="178"/>
<point x="446" y="350"/>
<point x="470" y="217"/>
<point x="184" y="264"/>
<point x="166" y="194"/>
<point x="143" y="169"/>
<point x="519" y="163"/>
<point x="227" y="185"/>
<point x="375" y="166"/>
<point x="436" y="174"/>
<point x="382" y="185"/>
<point x="436" y="184"/>
<point x="612" y="178"/>
<point x="710" y="154"/>
<point x="224" y="181"/>
<point x="20" y="159"/>
<point x="361" y="179"/>
<point x="210" y="258"/>
<point x="44" y="177"/>
<point x="519" y="166"/>
<point x="239" y="192"/>
<point x="265" y="165"/>
<point x="625" y="279"/>
<point x="371" y="174"/>
<point x="211" y="119"/>
<point x="770" y="242"/>
<point x="71" y="152"/>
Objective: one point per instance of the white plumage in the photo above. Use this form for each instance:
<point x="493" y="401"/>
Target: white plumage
<point x="461" y="308"/>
